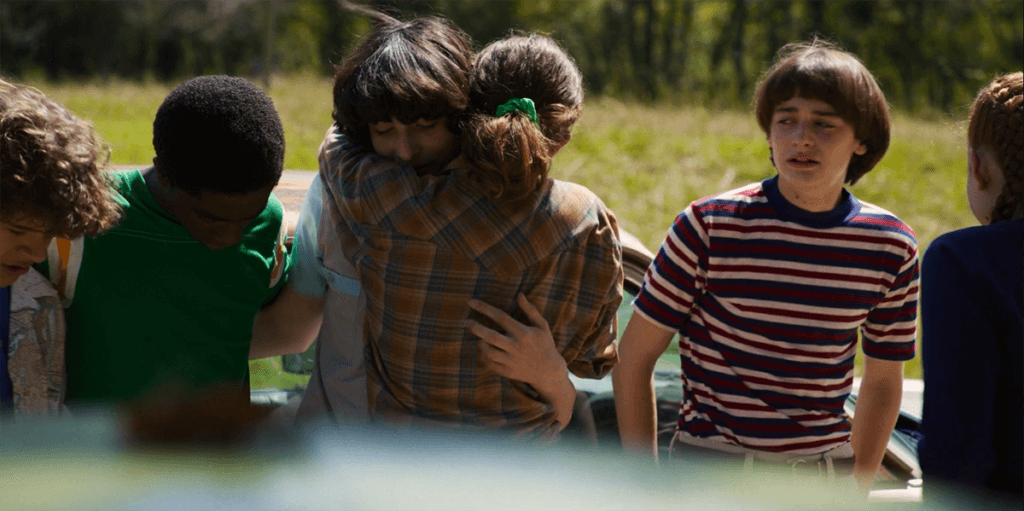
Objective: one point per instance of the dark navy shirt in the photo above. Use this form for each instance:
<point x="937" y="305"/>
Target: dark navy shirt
<point x="971" y="316"/>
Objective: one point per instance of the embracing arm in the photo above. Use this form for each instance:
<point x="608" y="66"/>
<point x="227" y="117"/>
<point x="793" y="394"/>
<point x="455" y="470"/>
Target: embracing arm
<point x="642" y="343"/>
<point x="527" y="354"/>
<point x="878" y="407"/>
<point x="288" y="325"/>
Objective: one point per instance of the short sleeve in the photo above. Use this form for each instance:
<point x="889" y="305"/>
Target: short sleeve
<point x="890" y="331"/>
<point x="602" y="281"/>
<point x="677" y="275"/>
<point x="308" y="275"/>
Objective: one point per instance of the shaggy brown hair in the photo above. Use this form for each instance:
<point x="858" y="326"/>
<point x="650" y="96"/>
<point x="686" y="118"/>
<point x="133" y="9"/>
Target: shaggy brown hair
<point x="819" y="70"/>
<point x="52" y="166"/>
<point x="407" y="70"/>
<point x="996" y="124"/>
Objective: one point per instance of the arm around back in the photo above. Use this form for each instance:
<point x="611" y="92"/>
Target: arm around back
<point x="526" y="353"/>
<point x="288" y="325"/>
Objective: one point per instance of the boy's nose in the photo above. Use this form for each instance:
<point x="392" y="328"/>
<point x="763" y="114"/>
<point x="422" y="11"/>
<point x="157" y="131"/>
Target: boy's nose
<point x="803" y="134"/>
<point x="405" y="148"/>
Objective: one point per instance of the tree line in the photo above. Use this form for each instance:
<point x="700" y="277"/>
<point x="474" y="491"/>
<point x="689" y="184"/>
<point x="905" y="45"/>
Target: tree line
<point x="927" y="55"/>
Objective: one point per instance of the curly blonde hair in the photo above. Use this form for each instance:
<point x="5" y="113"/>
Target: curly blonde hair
<point x="996" y="124"/>
<point x="52" y="166"/>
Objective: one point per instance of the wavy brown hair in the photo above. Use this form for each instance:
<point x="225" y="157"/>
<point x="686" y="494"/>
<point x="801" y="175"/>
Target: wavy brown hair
<point x="996" y="124"/>
<point x="52" y="166"/>
<point x="820" y="70"/>
<point x="510" y="153"/>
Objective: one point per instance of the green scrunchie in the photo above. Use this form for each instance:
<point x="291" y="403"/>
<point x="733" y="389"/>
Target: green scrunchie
<point x="524" y="105"/>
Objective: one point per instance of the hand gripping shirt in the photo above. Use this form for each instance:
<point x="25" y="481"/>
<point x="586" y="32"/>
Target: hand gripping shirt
<point x="425" y="245"/>
<point x="768" y="300"/>
<point x="150" y="309"/>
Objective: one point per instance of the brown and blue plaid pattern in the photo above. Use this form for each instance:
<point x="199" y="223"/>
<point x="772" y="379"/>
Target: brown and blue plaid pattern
<point x="425" y="245"/>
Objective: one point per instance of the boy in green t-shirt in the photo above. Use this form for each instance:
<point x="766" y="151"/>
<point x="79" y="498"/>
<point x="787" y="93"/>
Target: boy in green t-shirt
<point x="163" y="304"/>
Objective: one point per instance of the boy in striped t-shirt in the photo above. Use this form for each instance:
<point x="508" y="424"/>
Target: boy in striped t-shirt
<point x="769" y="284"/>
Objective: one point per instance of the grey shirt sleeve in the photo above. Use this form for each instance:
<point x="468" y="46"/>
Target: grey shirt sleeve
<point x="308" y="274"/>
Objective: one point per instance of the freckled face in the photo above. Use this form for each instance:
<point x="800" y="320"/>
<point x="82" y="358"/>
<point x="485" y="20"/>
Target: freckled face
<point x="423" y="145"/>
<point x="811" y="147"/>
<point x="23" y="242"/>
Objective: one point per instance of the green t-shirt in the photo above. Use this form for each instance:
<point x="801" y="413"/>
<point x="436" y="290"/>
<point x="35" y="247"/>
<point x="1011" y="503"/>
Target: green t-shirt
<point x="153" y="310"/>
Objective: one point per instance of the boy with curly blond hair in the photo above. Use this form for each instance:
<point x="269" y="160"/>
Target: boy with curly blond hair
<point x="51" y="183"/>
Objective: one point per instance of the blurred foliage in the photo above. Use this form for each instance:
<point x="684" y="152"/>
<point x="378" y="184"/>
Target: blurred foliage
<point x="929" y="57"/>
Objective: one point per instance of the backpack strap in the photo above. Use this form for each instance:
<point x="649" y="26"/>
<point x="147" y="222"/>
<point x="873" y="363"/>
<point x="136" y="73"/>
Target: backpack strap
<point x="64" y="259"/>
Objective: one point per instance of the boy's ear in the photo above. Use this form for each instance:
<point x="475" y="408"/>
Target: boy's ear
<point x="161" y="175"/>
<point x="861" y="150"/>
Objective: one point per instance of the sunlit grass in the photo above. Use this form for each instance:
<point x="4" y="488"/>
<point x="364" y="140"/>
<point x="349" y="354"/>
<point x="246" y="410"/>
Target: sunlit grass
<point x="646" y="162"/>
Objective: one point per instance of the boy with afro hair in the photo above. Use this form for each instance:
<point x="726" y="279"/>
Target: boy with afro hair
<point x="164" y="303"/>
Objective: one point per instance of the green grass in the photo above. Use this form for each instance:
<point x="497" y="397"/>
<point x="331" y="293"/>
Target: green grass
<point x="646" y="162"/>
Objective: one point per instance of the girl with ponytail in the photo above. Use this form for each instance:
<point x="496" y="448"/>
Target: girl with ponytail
<point x="514" y="128"/>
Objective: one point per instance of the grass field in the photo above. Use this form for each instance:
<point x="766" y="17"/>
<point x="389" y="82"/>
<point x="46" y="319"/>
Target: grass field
<point x="646" y="162"/>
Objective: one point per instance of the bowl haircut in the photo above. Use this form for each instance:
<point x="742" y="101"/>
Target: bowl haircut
<point x="819" y="70"/>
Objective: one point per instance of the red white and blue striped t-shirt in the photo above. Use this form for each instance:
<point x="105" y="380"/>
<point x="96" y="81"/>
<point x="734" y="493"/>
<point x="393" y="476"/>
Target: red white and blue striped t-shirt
<point x="768" y="300"/>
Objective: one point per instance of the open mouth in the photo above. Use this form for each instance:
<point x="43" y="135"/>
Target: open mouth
<point x="15" y="270"/>
<point x="802" y="161"/>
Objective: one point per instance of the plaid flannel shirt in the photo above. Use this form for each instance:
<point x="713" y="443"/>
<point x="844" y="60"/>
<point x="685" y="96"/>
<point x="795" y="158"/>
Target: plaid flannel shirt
<point x="425" y="245"/>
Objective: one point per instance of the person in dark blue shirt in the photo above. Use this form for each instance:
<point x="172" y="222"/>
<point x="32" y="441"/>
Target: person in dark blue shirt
<point x="971" y="308"/>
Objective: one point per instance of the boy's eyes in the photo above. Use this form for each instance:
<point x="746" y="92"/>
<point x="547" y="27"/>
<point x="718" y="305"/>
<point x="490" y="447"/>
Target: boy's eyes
<point x="383" y="128"/>
<point x="821" y="124"/>
<point x="18" y="231"/>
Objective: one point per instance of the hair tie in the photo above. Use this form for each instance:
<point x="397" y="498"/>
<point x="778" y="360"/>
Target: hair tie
<point x="524" y="105"/>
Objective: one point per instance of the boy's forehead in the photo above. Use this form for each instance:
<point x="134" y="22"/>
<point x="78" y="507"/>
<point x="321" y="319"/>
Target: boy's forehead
<point x="819" y="106"/>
